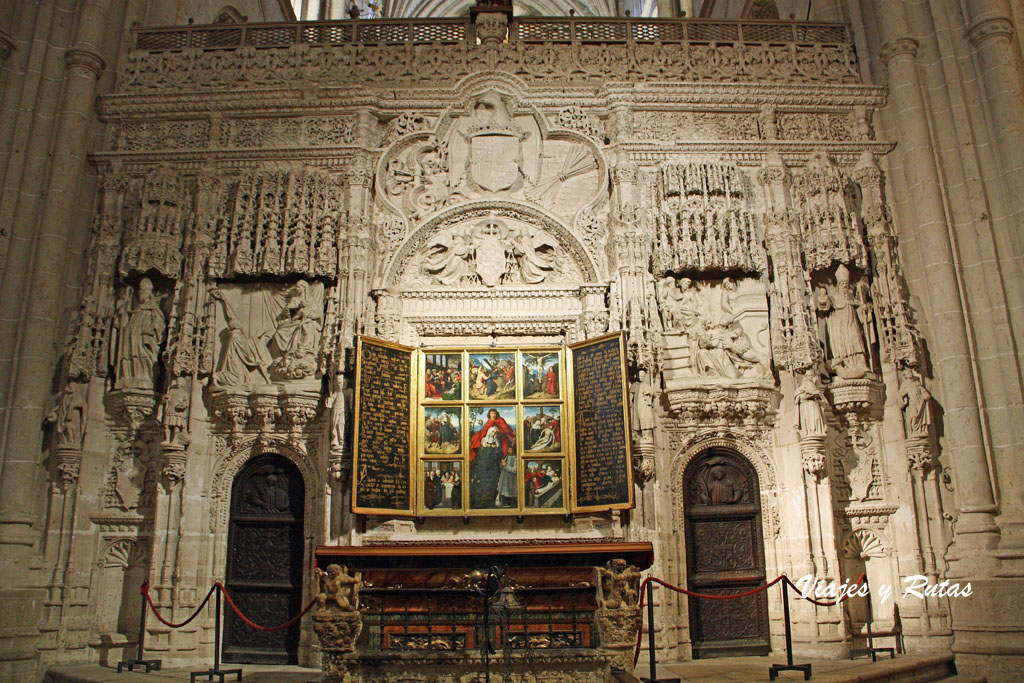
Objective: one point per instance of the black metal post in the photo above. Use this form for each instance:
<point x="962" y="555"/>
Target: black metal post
<point x="650" y="640"/>
<point x="216" y="670"/>
<point x="148" y="664"/>
<point x="871" y="649"/>
<point x="774" y="669"/>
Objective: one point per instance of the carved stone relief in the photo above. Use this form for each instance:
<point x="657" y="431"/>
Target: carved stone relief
<point x="137" y="334"/>
<point x="488" y="148"/>
<point x="130" y="479"/>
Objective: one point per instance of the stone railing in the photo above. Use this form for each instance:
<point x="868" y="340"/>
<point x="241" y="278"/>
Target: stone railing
<point x="576" y="50"/>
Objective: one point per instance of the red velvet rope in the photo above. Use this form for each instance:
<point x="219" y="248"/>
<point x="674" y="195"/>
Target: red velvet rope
<point x="255" y="625"/>
<point x="144" y="589"/>
<point x="692" y="594"/>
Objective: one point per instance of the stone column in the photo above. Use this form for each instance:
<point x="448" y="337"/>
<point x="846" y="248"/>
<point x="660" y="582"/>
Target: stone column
<point x="976" y="530"/>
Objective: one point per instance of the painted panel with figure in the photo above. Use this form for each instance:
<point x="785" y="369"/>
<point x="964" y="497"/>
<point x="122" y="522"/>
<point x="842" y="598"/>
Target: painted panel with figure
<point x="541" y="378"/>
<point x="492" y="376"/>
<point x="543" y="484"/>
<point x="492" y="457"/>
<point x="442" y="377"/>
<point x="442" y="430"/>
<point x="542" y="429"/>
<point x="442" y="485"/>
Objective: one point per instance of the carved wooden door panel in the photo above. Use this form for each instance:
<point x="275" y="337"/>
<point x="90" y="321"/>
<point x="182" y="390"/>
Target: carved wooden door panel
<point x="725" y="554"/>
<point x="264" y="562"/>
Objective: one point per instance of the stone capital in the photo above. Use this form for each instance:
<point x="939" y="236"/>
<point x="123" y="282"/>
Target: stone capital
<point x="989" y="26"/>
<point x="85" y="58"/>
<point x="901" y="46"/>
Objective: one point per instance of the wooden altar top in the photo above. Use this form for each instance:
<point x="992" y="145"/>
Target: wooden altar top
<point x="529" y="554"/>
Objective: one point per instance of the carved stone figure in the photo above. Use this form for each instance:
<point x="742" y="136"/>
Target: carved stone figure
<point x="719" y="484"/>
<point x="68" y="417"/>
<point x="642" y="416"/>
<point x="297" y="334"/>
<point x="490" y="253"/>
<point x="174" y="413"/>
<point x="844" y="314"/>
<point x="620" y="585"/>
<point x="337" y="588"/>
<point x="338" y="415"/>
<point x="810" y="418"/>
<point x="138" y="339"/>
<point x="241" y="354"/>
<point x="129" y="477"/>
<point x="917" y="405"/>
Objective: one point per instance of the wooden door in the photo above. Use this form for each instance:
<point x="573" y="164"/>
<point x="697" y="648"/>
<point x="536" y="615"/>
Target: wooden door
<point x="724" y="555"/>
<point x="264" y="562"/>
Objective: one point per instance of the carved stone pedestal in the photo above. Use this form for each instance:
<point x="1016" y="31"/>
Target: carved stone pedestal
<point x="858" y="396"/>
<point x="338" y="632"/>
<point x="134" y="406"/>
<point x="723" y="401"/>
<point x="618" y="629"/>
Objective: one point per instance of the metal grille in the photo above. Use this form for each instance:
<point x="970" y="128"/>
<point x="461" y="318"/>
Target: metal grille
<point x="163" y="40"/>
<point x="830" y="33"/>
<point x="270" y="36"/>
<point x="658" y="31"/>
<point x="601" y="31"/>
<point x="445" y="33"/>
<point x="330" y="33"/>
<point x="382" y="33"/>
<point x="713" y="32"/>
<point x="767" y="33"/>
<point x="545" y="31"/>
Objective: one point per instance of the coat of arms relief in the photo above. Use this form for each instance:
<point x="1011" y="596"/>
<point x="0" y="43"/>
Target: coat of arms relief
<point x="491" y="147"/>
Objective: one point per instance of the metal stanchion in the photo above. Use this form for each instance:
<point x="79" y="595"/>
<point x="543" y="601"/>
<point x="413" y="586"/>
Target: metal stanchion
<point x="216" y="670"/>
<point x="131" y="664"/>
<point x="871" y="649"/>
<point x="774" y="669"/>
<point x="650" y="640"/>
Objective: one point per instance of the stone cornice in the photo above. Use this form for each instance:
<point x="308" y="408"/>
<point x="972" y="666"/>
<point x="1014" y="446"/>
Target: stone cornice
<point x="695" y="96"/>
<point x="901" y="46"/>
<point x="647" y="151"/>
<point x="194" y="160"/>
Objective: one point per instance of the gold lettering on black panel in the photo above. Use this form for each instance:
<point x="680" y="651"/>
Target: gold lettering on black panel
<point x="603" y="476"/>
<point x="382" y="476"/>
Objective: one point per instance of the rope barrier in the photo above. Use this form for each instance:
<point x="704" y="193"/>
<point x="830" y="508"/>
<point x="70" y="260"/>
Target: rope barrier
<point x="253" y="624"/>
<point x="709" y="596"/>
<point x="144" y="589"/>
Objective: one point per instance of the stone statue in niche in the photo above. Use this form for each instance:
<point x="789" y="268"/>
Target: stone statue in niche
<point x="490" y="253"/>
<point x="283" y="343"/>
<point x="810" y="417"/>
<point x="917" y="405"/>
<point x="716" y="343"/>
<point x="339" y="416"/>
<point x="720" y="484"/>
<point x="846" y="315"/>
<point x="138" y="333"/>
<point x="129" y="476"/>
<point x="642" y="416"/>
<point x="174" y="413"/>
<point x="241" y="354"/>
<point x="68" y="417"/>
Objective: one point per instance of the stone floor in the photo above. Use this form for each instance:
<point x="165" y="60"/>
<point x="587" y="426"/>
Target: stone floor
<point x="743" y="669"/>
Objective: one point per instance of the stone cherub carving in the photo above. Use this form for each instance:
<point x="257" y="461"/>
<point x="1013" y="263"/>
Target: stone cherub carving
<point x="68" y="417"/>
<point x="490" y="253"/>
<point x="846" y="314"/>
<point x="619" y="583"/>
<point x="339" y="588"/>
<point x="136" y="338"/>
<point x="917" y="405"/>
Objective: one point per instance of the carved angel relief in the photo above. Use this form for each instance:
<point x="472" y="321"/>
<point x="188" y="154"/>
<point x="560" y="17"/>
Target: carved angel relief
<point x="493" y="252"/>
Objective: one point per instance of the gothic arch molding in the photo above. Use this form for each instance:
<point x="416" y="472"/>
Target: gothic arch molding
<point x="742" y="445"/>
<point x="244" y="450"/>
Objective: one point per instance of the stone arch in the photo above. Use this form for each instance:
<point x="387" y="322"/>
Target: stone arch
<point x="532" y="215"/>
<point x="864" y="544"/>
<point x="241" y="452"/>
<point x="125" y="553"/>
<point x="742" y="445"/>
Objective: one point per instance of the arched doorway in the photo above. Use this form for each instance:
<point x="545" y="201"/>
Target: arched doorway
<point x="725" y="554"/>
<point x="264" y="560"/>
